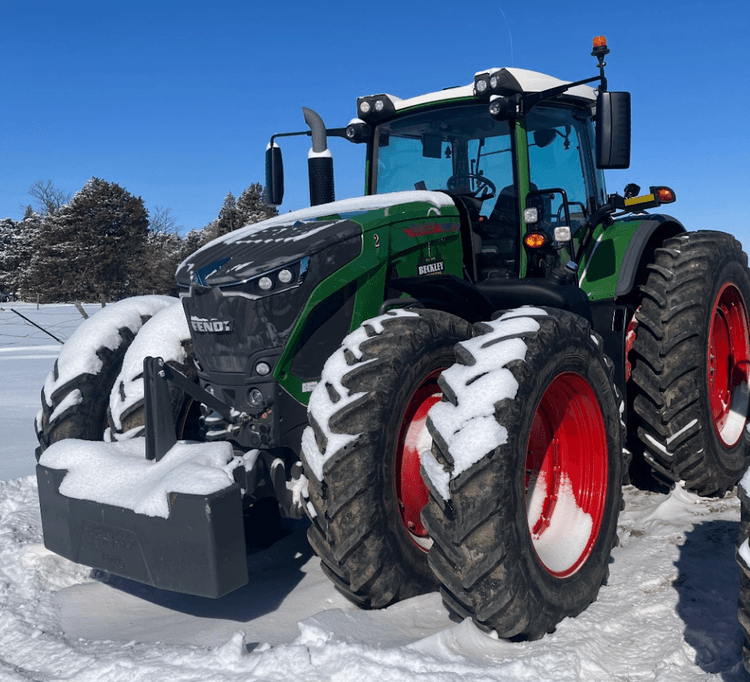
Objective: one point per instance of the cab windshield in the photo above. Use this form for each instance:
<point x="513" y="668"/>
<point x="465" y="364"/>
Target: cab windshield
<point x="459" y="149"/>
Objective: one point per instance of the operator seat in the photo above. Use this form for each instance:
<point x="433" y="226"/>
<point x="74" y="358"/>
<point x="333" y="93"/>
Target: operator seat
<point x="501" y="237"/>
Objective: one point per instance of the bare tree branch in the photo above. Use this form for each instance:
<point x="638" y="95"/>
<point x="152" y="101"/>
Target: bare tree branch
<point x="161" y="221"/>
<point x="49" y="198"/>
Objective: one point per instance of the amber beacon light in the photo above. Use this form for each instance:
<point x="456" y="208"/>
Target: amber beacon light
<point x="600" y="47"/>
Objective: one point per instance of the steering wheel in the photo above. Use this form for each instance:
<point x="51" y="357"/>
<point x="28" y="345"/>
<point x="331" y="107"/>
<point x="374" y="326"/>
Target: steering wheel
<point x="485" y="190"/>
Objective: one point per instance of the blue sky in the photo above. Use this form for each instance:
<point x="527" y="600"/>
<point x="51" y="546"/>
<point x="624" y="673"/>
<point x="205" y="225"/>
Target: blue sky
<point x="176" y="101"/>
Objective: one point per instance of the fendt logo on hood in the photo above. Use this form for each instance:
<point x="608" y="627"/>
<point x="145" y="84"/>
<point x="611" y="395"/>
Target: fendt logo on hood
<point x="213" y="326"/>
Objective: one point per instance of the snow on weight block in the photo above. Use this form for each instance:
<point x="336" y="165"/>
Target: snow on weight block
<point x="198" y="549"/>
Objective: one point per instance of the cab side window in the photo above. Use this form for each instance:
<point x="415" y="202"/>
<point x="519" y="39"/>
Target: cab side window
<point x="559" y="157"/>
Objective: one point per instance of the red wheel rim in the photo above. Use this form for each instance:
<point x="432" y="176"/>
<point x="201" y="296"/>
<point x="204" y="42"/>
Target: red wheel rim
<point x="413" y="438"/>
<point x="566" y="475"/>
<point x="630" y="334"/>
<point x="728" y="355"/>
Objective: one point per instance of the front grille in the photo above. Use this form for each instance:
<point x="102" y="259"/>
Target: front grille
<point x="228" y="330"/>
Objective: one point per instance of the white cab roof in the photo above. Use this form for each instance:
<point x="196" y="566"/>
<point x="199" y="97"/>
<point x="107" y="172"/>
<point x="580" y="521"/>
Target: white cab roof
<point x="530" y="81"/>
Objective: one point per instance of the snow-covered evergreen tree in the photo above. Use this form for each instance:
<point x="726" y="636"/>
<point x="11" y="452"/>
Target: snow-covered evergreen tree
<point x="162" y="255"/>
<point x="227" y="221"/>
<point x="250" y="205"/>
<point x="92" y="246"/>
<point x="16" y="251"/>
<point x="8" y="266"/>
<point x="248" y="209"/>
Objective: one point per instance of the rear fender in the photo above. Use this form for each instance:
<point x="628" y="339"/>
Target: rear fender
<point x="616" y="260"/>
<point x="649" y="236"/>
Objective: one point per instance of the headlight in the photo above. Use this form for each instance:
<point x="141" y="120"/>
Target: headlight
<point x="274" y="281"/>
<point x="265" y="283"/>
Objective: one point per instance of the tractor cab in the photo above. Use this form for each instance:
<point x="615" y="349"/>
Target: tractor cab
<point x="496" y="169"/>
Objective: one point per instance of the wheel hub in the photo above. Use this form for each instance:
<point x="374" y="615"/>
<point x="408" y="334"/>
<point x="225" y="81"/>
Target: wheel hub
<point x="728" y="365"/>
<point x="566" y="474"/>
<point x="411" y="491"/>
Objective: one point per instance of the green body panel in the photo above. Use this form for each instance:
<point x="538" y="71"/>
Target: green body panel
<point x="402" y="239"/>
<point x="522" y="180"/>
<point x="600" y="266"/>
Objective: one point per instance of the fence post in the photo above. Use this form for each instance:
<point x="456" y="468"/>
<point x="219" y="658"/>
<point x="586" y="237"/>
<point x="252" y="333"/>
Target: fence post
<point x="84" y="314"/>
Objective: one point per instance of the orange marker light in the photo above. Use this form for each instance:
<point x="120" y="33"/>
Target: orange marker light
<point x="534" y="240"/>
<point x="664" y="194"/>
<point x="600" y="41"/>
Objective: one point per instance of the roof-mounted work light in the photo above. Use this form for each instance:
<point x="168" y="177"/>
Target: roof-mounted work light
<point x="482" y="85"/>
<point x="358" y="131"/>
<point x="375" y="107"/>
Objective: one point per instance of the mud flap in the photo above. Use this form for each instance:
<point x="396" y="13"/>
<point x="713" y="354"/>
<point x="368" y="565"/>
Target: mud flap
<point x="199" y="549"/>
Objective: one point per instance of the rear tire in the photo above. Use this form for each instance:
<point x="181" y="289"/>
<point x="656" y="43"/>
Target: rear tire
<point x="525" y="474"/>
<point x="691" y="362"/>
<point x="361" y="454"/>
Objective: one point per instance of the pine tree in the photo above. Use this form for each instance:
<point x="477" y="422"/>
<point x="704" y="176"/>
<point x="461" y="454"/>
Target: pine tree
<point x="227" y="221"/>
<point x="91" y="247"/>
<point x="250" y="205"/>
<point x="192" y="241"/>
<point x="8" y="264"/>
<point x="16" y="251"/>
<point x="161" y="257"/>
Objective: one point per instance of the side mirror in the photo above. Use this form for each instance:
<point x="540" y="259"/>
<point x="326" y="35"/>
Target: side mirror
<point x="613" y="130"/>
<point x="274" y="193"/>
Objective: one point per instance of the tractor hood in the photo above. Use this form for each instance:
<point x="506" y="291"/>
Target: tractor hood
<point x="274" y="243"/>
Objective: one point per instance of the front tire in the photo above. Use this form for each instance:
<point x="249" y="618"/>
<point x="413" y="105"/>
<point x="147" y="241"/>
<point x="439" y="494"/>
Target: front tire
<point x="76" y="392"/>
<point x="526" y="472"/>
<point x="361" y="454"/>
<point x="165" y="335"/>
<point x="691" y="362"/>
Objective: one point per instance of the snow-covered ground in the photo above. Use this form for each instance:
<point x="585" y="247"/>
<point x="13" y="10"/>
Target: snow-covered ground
<point x="668" y="611"/>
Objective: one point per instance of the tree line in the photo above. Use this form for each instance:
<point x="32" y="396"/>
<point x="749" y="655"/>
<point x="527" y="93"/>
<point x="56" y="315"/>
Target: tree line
<point x="103" y="242"/>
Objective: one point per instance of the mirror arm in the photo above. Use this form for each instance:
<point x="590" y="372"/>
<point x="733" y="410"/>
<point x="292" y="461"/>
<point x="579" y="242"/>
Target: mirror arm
<point x="536" y="97"/>
<point x="330" y="132"/>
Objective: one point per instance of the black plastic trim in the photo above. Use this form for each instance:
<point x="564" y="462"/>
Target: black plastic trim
<point x="637" y="246"/>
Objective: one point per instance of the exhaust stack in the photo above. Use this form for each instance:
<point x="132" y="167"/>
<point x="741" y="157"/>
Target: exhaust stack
<point x="319" y="161"/>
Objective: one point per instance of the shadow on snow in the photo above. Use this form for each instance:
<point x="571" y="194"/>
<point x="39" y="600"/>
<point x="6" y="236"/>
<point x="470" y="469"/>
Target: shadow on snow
<point x="708" y="588"/>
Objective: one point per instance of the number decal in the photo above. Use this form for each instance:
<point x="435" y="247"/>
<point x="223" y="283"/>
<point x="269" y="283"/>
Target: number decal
<point x="376" y="237"/>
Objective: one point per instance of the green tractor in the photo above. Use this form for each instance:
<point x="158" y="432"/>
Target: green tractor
<point x="447" y="376"/>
